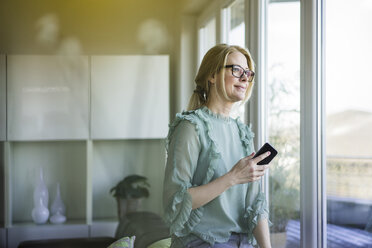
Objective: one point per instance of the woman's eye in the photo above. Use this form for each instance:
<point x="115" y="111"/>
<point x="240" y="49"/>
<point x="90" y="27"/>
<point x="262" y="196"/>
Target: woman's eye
<point x="236" y="69"/>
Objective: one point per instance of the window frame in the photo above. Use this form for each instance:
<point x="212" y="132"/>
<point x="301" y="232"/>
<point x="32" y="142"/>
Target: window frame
<point x="312" y="129"/>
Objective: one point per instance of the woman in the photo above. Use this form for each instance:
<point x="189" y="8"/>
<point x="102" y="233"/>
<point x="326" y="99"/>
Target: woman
<point x="212" y="194"/>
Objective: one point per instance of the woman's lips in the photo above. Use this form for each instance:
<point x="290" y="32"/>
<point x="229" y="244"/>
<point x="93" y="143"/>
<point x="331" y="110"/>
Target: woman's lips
<point x="240" y="87"/>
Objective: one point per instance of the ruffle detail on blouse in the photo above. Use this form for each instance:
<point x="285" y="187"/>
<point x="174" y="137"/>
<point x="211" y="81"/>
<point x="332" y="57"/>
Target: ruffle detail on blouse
<point x="183" y="219"/>
<point x="215" y="115"/>
<point x="186" y="115"/>
<point x="178" y="212"/>
<point x="246" y="135"/>
<point x="195" y="216"/>
<point x="214" y="155"/>
<point x="254" y="213"/>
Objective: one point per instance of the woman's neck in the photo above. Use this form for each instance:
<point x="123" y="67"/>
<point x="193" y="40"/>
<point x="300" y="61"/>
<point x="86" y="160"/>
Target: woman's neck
<point x="219" y="108"/>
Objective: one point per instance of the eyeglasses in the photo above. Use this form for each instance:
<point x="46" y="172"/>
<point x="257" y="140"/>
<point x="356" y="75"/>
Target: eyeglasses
<point x="238" y="72"/>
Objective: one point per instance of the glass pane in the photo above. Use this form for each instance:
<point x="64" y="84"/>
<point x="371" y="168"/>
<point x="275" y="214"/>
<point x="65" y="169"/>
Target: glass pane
<point x="236" y="36"/>
<point x="207" y="38"/>
<point x="283" y="121"/>
<point x="349" y="123"/>
<point x="236" y="27"/>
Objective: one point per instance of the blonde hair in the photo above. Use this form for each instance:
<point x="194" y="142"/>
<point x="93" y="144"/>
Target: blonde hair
<point x="215" y="60"/>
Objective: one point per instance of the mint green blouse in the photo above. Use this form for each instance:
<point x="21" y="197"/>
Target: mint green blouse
<point x="201" y="147"/>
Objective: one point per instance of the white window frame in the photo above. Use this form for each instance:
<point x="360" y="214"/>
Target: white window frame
<point x="312" y="173"/>
<point x="214" y="10"/>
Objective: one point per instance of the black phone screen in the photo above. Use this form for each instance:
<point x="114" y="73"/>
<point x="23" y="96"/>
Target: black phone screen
<point x="266" y="148"/>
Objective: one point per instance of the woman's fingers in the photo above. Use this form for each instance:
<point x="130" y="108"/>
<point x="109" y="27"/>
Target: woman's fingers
<point x="261" y="157"/>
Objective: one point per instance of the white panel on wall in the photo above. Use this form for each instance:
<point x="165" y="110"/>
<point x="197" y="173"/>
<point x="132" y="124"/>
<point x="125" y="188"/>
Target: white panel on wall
<point x="130" y="97"/>
<point x="2" y="97"/>
<point x="48" y="97"/>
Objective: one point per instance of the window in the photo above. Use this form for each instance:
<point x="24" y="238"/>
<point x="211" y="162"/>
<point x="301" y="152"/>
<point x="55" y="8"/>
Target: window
<point x="234" y="27"/>
<point x="234" y="23"/>
<point x="207" y="38"/>
<point x="283" y="120"/>
<point x="348" y="123"/>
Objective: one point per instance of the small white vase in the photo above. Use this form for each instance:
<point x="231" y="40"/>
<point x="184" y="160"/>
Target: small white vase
<point x="57" y="218"/>
<point x="57" y="205"/>
<point x="58" y="209"/>
<point x="41" y="191"/>
<point x="40" y="213"/>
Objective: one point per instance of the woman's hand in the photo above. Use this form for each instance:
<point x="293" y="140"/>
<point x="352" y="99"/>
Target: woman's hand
<point x="247" y="170"/>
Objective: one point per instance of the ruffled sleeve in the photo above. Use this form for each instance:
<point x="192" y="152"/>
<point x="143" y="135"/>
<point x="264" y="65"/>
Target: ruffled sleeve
<point x="183" y="147"/>
<point x="256" y="209"/>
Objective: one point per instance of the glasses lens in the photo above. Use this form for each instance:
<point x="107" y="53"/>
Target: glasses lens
<point x="250" y="75"/>
<point x="237" y="71"/>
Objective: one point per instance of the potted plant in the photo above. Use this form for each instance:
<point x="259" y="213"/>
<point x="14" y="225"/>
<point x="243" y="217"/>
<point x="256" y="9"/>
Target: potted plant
<point x="129" y="192"/>
<point x="284" y="206"/>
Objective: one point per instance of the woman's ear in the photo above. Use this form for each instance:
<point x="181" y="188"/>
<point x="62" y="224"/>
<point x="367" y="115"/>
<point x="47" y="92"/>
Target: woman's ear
<point x="212" y="79"/>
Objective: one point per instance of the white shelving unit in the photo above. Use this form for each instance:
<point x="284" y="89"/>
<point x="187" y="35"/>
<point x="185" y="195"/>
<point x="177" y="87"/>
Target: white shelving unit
<point x="88" y="124"/>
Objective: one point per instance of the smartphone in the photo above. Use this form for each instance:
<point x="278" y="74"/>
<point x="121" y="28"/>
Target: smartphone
<point x="266" y="148"/>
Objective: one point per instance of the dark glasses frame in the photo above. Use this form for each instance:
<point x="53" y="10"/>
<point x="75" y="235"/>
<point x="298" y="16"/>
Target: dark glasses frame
<point x="250" y="74"/>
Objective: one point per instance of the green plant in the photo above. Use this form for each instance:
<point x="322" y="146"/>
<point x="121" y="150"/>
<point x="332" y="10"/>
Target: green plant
<point x="131" y="187"/>
<point x="283" y="207"/>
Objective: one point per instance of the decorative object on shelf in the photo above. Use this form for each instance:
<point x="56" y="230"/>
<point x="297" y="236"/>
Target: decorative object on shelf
<point x="58" y="209"/>
<point x="129" y="193"/>
<point x="40" y="212"/>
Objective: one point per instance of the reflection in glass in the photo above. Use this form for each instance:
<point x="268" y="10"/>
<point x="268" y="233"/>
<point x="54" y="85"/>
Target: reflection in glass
<point x="348" y="124"/>
<point x="283" y="121"/>
<point x="207" y="38"/>
<point x="235" y="27"/>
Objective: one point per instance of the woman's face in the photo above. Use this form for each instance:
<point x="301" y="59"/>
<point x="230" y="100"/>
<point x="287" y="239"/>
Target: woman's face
<point x="235" y="87"/>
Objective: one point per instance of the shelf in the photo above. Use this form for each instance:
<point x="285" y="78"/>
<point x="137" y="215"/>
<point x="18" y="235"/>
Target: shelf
<point x="113" y="160"/>
<point x="17" y="234"/>
<point x="68" y="223"/>
<point x="63" y="162"/>
<point x="104" y="227"/>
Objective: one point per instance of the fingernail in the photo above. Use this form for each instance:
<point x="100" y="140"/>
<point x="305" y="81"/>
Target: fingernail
<point x="268" y="153"/>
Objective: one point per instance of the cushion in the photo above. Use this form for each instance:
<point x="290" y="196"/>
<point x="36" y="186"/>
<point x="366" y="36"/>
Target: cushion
<point x="164" y="243"/>
<point x="127" y="242"/>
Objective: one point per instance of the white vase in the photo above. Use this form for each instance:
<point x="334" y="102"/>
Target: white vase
<point x="40" y="213"/>
<point x="57" y="205"/>
<point x="57" y="218"/>
<point x="41" y="191"/>
<point x="58" y="209"/>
